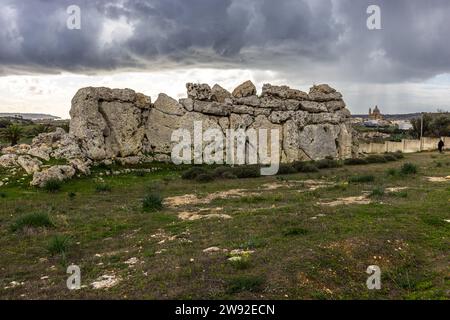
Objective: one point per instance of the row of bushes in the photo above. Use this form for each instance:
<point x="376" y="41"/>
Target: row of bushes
<point x="202" y="174"/>
<point x="406" y="169"/>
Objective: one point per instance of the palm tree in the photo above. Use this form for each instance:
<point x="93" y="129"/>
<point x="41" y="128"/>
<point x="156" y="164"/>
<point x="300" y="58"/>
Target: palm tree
<point x="12" y="134"/>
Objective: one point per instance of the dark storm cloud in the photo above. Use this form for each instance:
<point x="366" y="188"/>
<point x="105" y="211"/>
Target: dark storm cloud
<point x="302" y="34"/>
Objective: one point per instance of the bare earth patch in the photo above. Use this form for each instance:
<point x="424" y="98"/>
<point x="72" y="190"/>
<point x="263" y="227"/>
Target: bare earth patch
<point x="347" y="201"/>
<point x="395" y="189"/>
<point x="106" y="281"/>
<point x="192" y="199"/>
<point x="192" y="216"/>
<point x="438" y="179"/>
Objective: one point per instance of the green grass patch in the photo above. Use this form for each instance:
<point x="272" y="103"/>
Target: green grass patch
<point x="32" y="220"/>
<point x="59" y="244"/>
<point x="249" y="283"/>
<point x="52" y="186"/>
<point x="103" y="188"/>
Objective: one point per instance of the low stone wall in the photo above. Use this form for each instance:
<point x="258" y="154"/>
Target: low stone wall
<point x="405" y="146"/>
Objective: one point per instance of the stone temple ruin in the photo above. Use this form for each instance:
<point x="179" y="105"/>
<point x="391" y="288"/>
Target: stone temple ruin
<point x="124" y="126"/>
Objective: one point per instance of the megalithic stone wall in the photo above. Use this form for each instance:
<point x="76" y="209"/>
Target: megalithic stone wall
<point x="115" y="123"/>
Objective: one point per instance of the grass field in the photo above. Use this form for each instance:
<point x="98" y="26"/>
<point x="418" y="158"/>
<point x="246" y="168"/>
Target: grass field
<point x="295" y="236"/>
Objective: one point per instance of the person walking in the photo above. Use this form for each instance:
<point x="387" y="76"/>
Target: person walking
<point x="441" y="146"/>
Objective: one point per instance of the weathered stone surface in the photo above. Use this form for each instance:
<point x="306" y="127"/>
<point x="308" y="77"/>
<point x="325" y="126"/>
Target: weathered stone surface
<point x="280" y="104"/>
<point x="108" y="122"/>
<point x="29" y="164"/>
<point x="197" y="91"/>
<point x="244" y="90"/>
<point x="248" y="101"/>
<point x="212" y="108"/>
<point x="187" y="103"/>
<point x="312" y="106"/>
<point x="129" y="160"/>
<point x="219" y="94"/>
<point x="42" y="152"/>
<point x="323" y="92"/>
<point x="241" y="109"/>
<point x="319" y="141"/>
<point x="59" y="173"/>
<point x="168" y="105"/>
<point x="81" y="166"/>
<point x="335" y="105"/>
<point x="8" y="160"/>
<point x="283" y="92"/>
<point x="17" y="149"/>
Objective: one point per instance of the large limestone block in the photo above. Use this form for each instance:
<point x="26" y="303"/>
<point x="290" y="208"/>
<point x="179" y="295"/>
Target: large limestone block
<point x="319" y="141"/>
<point x="323" y="93"/>
<point x="108" y="122"/>
<point x="125" y="128"/>
<point x="244" y="90"/>
<point x="219" y="94"/>
<point x="29" y="164"/>
<point x="313" y="107"/>
<point x="197" y="91"/>
<point x="8" y="160"/>
<point x="168" y="105"/>
<point x="212" y="108"/>
<point x="283" y="92"/>
<point x="291" y="143"/>
<point x="59" y="173"/>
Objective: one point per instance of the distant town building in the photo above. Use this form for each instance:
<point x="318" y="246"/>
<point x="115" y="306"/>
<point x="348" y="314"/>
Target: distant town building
<point x="375" y="114"/>
<point x="403" y="124"/>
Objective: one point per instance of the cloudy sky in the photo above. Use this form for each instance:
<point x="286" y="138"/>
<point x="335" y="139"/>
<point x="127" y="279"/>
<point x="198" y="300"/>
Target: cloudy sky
<point x="157" y="46"/>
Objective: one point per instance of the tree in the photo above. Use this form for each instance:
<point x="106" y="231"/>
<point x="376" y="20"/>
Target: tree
<point x="41" y="128"/>
<point x="12" y="134"/>
<point x="434" y="125"/>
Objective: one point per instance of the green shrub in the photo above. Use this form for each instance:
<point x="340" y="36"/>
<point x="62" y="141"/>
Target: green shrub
<point x="53" y="185"/>
<point x="140" y="173"/>
<point x="377" y="192"/>
<point x="391" y="172"/>
<point x="192" y="173"/>
<point x="295" y="231"/>
<point x="32" y="220"/>
<point x="2" y="195"/>
<point x="376" y="159"/>
<point x="390" y="157"/>
<point x="305" y="167"/>
<point x="398" y="155"/>
<point x="103" y="188"/>
<point x="408" y="168"/>
<point x="245" y="283"/>
<point x="286" y="169"/>
<point x="244" y="172"/>
<point x="400" y="194"/>
<point x="219" y="172"/>
<point x="327" y="164"/>
<point x="58" y="245"/>
<point x="228" y="175"/>
<point x="355" y="161"/>
<point x="361" y="178"/>
<point x="152" y="202"/>
<point x="204" y="177"/>
<point x="71" y="195"/>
